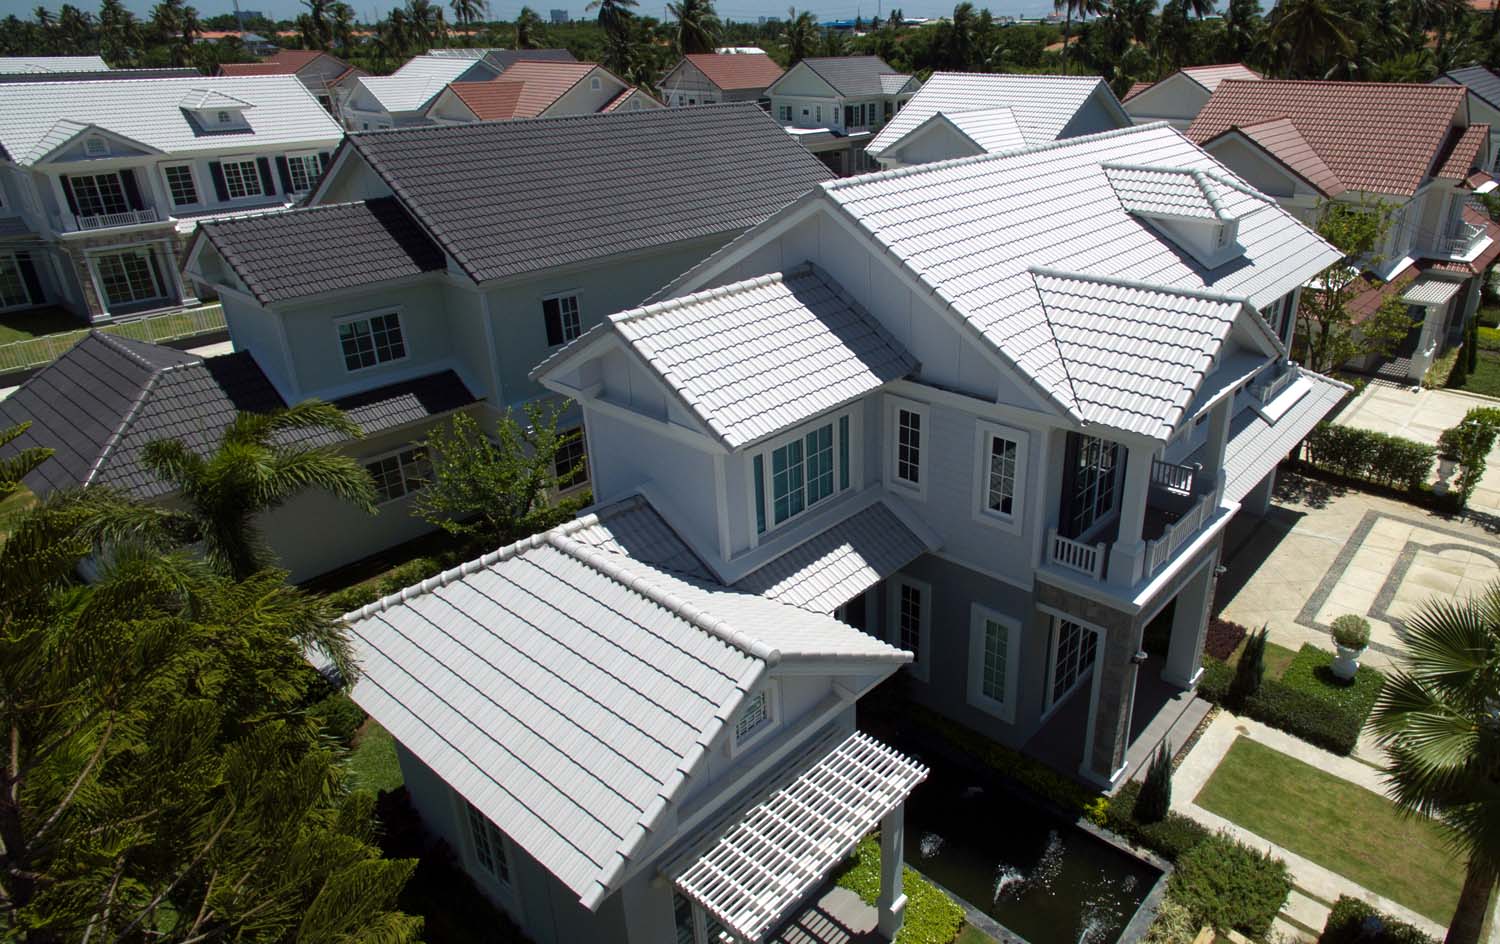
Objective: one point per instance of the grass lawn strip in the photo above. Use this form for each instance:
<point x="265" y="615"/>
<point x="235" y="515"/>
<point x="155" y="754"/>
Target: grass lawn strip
<point x="1484" y="379"/>
<point x="372" y="763"/>
<point x="1341" y="826"/>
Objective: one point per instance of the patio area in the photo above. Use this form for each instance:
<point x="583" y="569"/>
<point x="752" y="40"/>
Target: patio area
<point x="837" y="916"/>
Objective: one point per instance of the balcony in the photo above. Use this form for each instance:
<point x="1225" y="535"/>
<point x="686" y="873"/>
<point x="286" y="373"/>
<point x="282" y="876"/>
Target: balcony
<point x="127" y="218"/>
<point x="1461" y="242"/>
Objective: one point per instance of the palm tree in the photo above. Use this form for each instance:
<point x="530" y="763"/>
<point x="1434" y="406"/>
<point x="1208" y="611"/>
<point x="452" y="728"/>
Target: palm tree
<point x="961" y="37"/>
<point x="801" y="35"/>
<point x="466" y="12"/>
<point x="614" y="15"/>
<point x="342" y="26"/>
<point x="1084" y="9"/>
<point x="528" y="29"/>
<point x="117" y="33"/>
<point x="1135" y="17"/>
<point x="697" y="26"/>
<point x="252" y="471"/>
<point x="1313" y="32"/>
<point x="1438" y="718"/>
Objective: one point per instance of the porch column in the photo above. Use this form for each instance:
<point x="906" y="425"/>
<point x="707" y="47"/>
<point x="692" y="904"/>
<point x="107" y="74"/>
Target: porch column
<point x="1109" y="717"/>
<point x="1218" y="441"/>
<point x="1189" y="625"/>
<point x="1258" y="501"/>
<point x="1128" y="551"/>
<point x="891" y="904"/>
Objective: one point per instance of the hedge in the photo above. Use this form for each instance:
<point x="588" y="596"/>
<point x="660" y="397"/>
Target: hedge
<point x="1169" y="838"/>
<point x="1231" y="886"/>
<point x="1307" y="701"/>
<point x="1350" y="923"/>
<point x="1370" y="456"/>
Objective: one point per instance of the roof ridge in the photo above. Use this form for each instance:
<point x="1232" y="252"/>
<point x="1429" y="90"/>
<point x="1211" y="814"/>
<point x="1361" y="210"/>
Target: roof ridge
<point x="1199" y="176"/>
<point x="119" y="431"/>
<point x="1137" y="284"/>
<point x="1057" y="345"/>
<point x="1020" y="75"/>
<point x="717" y="291"/>
<point x="478" y="126"/>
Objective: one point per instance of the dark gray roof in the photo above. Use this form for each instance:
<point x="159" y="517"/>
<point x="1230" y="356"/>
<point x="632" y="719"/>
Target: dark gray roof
<point x="1480" y="81"/>
<point x="505" y="58"/>
<point x="111" y="75"/>
<point x="852" y="75"/>
<point x="510" y="197"/>
<point x="306" y="251"/>
<point x="103" y="401"/>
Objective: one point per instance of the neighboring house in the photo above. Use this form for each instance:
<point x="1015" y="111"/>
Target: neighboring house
<point x="478" y="249"/>
<point x="537" y="89"/>
<point x="101" y="182"/>
<point x="710" y="78"/>
<point x="23" y="64"/>
<point x="997" y="411"/>
<point x="1179" y="97"/>
<point x="1413" y="147"/>
<point x="105" y="75"/>
<point x="835" y="105"/>
<point x="326" y="76"/>
<point x="1484" y="102"/>
<point x="963" y="114"/>
<point x="621" y="751"/>
<point x="402" y="98"/>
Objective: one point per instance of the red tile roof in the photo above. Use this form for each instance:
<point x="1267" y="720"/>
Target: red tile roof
<point x="1466" y="146"/>
<point x="626" y="95"/>
<point x="1377" y="137"/>
<point x="545" y="82"/>
<point x="1280" y="138"/>
<point x="737" y="70"/>
<point x="1136" y="89"/>
<point x="285" y="62"/>
<point x="489" y="101"/>
<point x="254" y="68"/>
<point x="1369" y="300"/>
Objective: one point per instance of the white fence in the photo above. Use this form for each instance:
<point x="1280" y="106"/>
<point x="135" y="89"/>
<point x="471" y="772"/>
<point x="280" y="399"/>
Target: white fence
<point x="1087" y="559"/>
<point x="167" y="326"/>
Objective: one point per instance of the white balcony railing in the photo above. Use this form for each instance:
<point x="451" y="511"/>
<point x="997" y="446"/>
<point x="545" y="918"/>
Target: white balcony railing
<point x="1173" y="477"/>
<point x="1087" y="559"/>
<point x="128" y="218"/>
<point x="1161" y="550"/>
<point x="1269" y="390"/>
<point x="1461" y="241"/>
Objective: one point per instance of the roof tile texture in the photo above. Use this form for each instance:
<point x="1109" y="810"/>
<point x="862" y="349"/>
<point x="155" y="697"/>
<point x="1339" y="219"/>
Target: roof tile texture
<point x="737" y="71"/>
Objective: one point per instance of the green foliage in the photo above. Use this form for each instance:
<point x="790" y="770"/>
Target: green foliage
<point x="1307" y="701"/>
<point x="1489" y="338"/>
<point x="1096" y="811"/>
<point x="1469" y="444"/>
<point x="1155" y="798"/>
<point x="1370" y="456"/>
<point x="1227" y="884"/>
<point x="931" y="916"/>
<point x="1328" y="335"/>
<point x="338" y="715"/>
<point x="1350" y="922"/>
<point x="1449" y="369"/>
<point x="1351" y="631"/>
<point x="15" y="468"/>
<point x="1169" y="838"/>
<point x="1251" y="669"/>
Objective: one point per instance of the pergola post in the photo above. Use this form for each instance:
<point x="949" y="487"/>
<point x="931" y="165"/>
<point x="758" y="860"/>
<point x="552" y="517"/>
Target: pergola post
<point x="891" y="905"/>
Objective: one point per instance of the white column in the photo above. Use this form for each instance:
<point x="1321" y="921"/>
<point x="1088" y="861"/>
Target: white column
<point x="1128" y="550"/>
<point x="1218" y="441"/>
<point x="1189" y="624"/>
<point x="1258" y="501"/>
<point x="891" y="905"/>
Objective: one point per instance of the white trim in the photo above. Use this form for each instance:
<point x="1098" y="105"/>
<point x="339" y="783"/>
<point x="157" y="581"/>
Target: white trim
<point x="920" y="667"/>
<point x="577" y="295"/>
<point x="192" y="178"/>
<point x="984" y="433"/>
<point x="1054" y="636"/>
<point x="979" y="619"/>
<point x="733" y="746"/>
<point x="894" y="482"/>
<point x="764" y="451"/>
<point x="394" y="453"/>
<point x="366" y="316"/>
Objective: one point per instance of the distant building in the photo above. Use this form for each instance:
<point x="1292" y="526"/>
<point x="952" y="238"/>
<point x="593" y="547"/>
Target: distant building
<point x="560" y="16"/>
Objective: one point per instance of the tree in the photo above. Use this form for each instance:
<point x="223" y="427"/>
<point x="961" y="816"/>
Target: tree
<point x="801" y="35"/>
<point x="489" y="488"/>
<point x="1313" y="32"/>
<point x="15" y="468"/>
<point x="1083" y="8"/>
<point x="698" y="26"/>
<point x="960" y="38"/>
<point x="1438" y="719"/>
<point x="1330" y="336"/>
<point x="614" y="15"/>
<point x="466" y="12"/>
<point x="256" y="467"/>
<point x="1155" y="798"/>
<point x="1241" y="25"/>
<point x="1251" y="668"/>
<point x="118" y="33"/>
<point x="529" y="28"/>
<point x="1135" y="17"/>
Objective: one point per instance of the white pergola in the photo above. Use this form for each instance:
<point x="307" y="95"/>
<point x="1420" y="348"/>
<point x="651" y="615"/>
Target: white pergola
<point x="781" y="848"/>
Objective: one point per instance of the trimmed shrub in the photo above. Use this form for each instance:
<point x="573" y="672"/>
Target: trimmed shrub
<point x="1308" y="701"/>
<point x="1156" y="792"/>
<point x="1351" y="631"/>
<point x="1250" y="671"/>
<point x="1354" y="922"/>
<point x="1222" y="638"/>
<point x="1170" y="838"/>
<point x="1213" y="684"/>
<point x="1370" y="456"/>
<point x="1230" y="886"/>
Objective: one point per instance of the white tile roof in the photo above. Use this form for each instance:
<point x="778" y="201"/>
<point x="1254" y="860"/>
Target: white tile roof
<point x="1043" y="104"/>
<point x="1210" y="76"/>
<point x="973" y="229"/>
<point x="759" y="356"/>
<point x="992" y="130"/>
<point x="1186" y="192"/>
<point x="1257" y="443"/>
<point x="569" y="692"/>
<point x="39" y="117"/>
<point x="11" y="65"/>
<point x="199" y="99"/>
<point x="417" y="82"/>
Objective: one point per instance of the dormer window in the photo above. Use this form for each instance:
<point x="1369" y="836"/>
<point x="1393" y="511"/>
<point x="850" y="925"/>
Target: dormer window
<point x="95" y="146"/>
<point x="1198" y="211"/>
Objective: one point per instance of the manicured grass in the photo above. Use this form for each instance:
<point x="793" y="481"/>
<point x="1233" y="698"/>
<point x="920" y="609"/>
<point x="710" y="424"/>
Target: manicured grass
<point x="931" y="916"/>
<point x="1277" y="658"/>
<point x="372" y="763"/>
<point x="1342" y="827"/>
<point x="972" y="935"/>
<point x="34" y="323"/>
<point x="1485" y="377"/>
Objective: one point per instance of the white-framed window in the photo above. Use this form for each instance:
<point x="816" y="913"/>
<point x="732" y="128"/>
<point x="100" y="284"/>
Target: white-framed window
<point x="98" y="194"/>
<point x="1074" y="649"/>
<point x="908" y="429"/>
<point x="784" y="112"/>
<point x="303" y="169"/>
<point x="398" y="474"/>
<point x="796" y="472"/>
<point x="130" y="277"/>
<point x="180" y="184"/>
<point x="757" y="715"/>
<point x="571" y="463"/>
<point x="561" y="317"/>
<point x="1000" y="476"/>
<point x="223" y="117"/>
<point x="367" y="340"/>
<point x="95" y="146"/>
<point x="910" y="610"/>
<point x="994" y="662"/>
<point x="14" y="292"/>
<point x="1095" y="489"/>
<point x="488" y="845"/>
<point x="242" y="179"/>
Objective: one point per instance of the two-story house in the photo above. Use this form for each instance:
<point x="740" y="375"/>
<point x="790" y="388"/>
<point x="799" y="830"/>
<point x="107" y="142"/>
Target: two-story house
<point x="997" y="411"/>
<point x="709" y="78"/>
<point x="102" y="181"/>
<point x="835" y="105"/>
<point x="963" y="114"/>
<point x="1307" y="142"/>
<point x="538" y="89"/>
<point x="1179" y="97"/>
<point x="325" y="75"/>
<point x="401" y="99"/>
<point x="477" y="249"/>
<point x="53" y="64"/>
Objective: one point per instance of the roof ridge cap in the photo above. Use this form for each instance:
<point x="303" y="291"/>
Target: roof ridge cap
<point x="1137" y="284"/>
<point x="1198" y="175"/>
<point x="446" y="577"/>
<point x="125" y="422"/>
<point x="1057" y="345"/>
<point x="717" y="291"/>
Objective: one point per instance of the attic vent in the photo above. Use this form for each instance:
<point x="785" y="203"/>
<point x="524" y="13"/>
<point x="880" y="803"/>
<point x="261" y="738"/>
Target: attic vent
<point x="96" y="147"/>
<point x="594" y="84"/>
<point x="1197" y="210"/>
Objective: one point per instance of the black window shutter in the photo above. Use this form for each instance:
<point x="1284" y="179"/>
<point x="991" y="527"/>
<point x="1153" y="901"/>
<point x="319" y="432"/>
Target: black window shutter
<point x="285" y="173"/>
<point x="266" y="185"/>
<point x="216" y="171"/>
<point x="132" y="189"/>
<point x="28" y="275"/>
<point x="552" y="314"/>
<point x="67" y="186"/>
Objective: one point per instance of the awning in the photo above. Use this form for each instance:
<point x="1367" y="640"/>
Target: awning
<point x="1427" y="290"/>
<point x="773" y="854"/>
<point x="1260" y="438"/>
<point x="837" y="565"/>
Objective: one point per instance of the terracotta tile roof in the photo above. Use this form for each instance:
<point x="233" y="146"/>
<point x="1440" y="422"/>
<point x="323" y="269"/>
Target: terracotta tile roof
<point x="1136" y="89"/>
<point x="737" y="71"/>
<point x="1283" y="141"/>
<point x="285" y="62"/>
<point x="1368" y="301"/>
<point x="1378" y="137"/>
<point x="489" y="101"/>
<point x="1478" y="179"/>
<point x="626" y="96"/>
<point x="545" y="82"/>
<point x="254" y="68"/>
<point x="1466" y="147"/>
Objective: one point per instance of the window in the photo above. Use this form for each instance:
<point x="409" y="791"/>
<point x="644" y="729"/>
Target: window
<point x="370" y="341"/>
<point x="180" y="184"/>
<point x="1094" y="492"/>
<point x="223" y="117"/>
<point x="785" y="113"/>
<point x="819" y="114"/>
<point x="399" y="474"/>
<point x="96" y="147"/>
<point x="489" y="844"/>
<point x="907" y="427"/>
<point x="1073" y="649"/>
<point x="999" y="475"/>
<point x="98" y="194"/>
<point x="753" y="718"/>
<point x="303" y="172"/>
<point x="594" y="84"/>
<point x="994" y="651"/>
<point x="14" y="290"/>
<point x="130" y="277"/>
<point x="242" y="179"/>
<point x="805" y="470"/>
<point x="561" y="315"/>
<point x="570" y="464"/>
<point x="910" y="609"/>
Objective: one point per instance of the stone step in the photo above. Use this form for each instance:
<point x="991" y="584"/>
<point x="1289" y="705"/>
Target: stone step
<point x="1305" y="914"/>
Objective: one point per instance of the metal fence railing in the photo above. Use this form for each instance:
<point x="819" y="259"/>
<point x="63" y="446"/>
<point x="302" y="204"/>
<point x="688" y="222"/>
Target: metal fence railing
<point x="167" y="326"/>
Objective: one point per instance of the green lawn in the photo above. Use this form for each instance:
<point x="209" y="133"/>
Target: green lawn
<point x="372" y="765"/>
<point x="1342" y="827"/>
<point x="1485" y="378"/>
<point x="931" y="916"/>
<point x="1277" y="658"/>
<point x="36" y="322"/>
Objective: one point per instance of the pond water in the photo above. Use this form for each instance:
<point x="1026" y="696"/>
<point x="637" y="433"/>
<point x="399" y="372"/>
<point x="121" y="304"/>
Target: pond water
<point x="1037" y="874"/>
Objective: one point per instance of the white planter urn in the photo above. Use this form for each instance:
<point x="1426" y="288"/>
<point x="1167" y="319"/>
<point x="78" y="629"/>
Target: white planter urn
<point x="1445" y="470"/>
<point x="1345" y="661"/>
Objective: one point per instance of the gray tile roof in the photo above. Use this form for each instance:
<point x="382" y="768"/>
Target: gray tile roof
<point x="853" y="76"/>
<point x="317" y="249"/>
<point x="570" y="692"/>
<point x="512" y="197"/>
<point x="505" y="58"/>
<point x="632" y="528"/>
<point x="1480" y="81"/>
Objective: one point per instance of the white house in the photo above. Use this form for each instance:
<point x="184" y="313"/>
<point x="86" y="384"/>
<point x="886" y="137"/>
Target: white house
<point x="963" y="114"/>
<point x="53" y="64"/>
<point x="402" y="98"/>
<point x="538" y="89"/>
<point x="1179" y="97"/>
<point x="102" y="181"/>
<point x="835" y="105"/>
<point x="709" y="78"/>
<point x="996" y="411"/>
